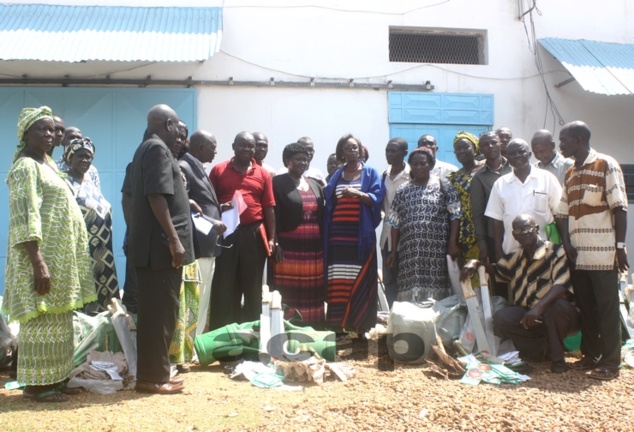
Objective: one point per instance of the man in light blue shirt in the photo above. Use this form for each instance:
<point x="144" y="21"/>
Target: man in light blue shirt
<point x="548" y="158"/>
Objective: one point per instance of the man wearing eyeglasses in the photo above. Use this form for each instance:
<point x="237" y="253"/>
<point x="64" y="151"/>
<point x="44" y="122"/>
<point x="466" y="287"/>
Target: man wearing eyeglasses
<point x="541" y="315"/>
<point x="526" y="189"/>
<point x="204" y="204"/>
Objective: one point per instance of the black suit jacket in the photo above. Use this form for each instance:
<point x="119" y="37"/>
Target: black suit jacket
<point x="155" y="171"/>
<point x="200" y="189"/>
<point x="288" y="202"/>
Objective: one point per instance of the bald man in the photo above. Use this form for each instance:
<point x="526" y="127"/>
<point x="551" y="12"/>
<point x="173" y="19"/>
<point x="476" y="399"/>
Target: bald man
<point x="548" y="158"/>
<point x="525" y="189"/>
<point x="204" y="203"/>
<point x="159" y="244"/>
<point x="593" y="216"/>
<point x="261" y="150"/>
<point x="240" y="266"/>
<point x="540" y="315"/>
<point x="505" y="135"/>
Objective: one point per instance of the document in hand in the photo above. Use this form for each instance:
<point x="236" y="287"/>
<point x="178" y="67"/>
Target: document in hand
<point x="231" y="217"/>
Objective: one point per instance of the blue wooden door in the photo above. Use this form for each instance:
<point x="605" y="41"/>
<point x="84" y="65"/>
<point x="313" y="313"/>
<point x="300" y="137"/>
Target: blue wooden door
<point x="113" y="118"/>
<point x="442" y="115"/>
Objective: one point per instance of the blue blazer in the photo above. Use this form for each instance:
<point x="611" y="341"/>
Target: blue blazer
<point x="370" y="216"/>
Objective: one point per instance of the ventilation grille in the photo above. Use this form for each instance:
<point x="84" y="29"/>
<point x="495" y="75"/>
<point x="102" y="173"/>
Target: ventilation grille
<point x="421" y="47"/>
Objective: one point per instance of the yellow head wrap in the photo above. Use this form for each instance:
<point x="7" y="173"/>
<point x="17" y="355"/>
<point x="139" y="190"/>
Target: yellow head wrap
<point x="469" y="137"/>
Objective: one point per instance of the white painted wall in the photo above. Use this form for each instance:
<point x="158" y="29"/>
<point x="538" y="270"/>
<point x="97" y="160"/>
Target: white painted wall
<point x="334" y="40"/>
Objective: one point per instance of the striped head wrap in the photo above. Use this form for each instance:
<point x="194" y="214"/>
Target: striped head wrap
<point x="78" y="144"/>
<point x="469" y="137"/>
<point x="27" y="117"/>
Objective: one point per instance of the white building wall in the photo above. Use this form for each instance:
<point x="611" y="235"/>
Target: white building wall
<point x="334" y="40"/>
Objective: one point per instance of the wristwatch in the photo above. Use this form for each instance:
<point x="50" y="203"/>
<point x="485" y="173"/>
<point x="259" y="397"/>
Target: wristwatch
<point x="620" y="245"/>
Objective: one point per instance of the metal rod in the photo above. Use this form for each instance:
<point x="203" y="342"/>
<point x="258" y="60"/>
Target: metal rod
<point x="189" y="82"/>
<point x="564" y="82"/>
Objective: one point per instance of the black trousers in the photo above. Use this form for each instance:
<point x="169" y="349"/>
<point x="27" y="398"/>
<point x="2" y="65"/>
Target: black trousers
<point x="130" y="289"/>
<point x="560" y="320"/>
<point x="390" y="278"/>
<point x="500" y="289"/>
<point x="158" y="310"/>
<point x="596" y="294"/>
<point x="130" y="297"/>
<point x="239" y="270"/>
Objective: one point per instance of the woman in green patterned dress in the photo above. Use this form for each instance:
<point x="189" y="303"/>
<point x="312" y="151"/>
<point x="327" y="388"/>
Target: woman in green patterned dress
<point x="48" y="268"/>
<point x="181" y="349"/>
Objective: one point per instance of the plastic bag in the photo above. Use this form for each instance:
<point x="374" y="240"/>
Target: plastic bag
<point x="411" y="332"/>
<point x="467" y="338"/>
<point x="450" y="318"/>
<point x="96" y="386"/>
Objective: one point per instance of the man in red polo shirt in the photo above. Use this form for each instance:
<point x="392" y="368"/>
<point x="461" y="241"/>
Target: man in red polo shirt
<point x="240" y="266"/>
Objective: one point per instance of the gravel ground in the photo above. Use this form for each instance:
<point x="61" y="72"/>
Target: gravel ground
<point x="406" y="398"/>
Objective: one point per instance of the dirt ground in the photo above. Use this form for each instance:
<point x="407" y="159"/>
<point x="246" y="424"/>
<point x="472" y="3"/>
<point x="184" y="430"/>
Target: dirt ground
<point x="406" y="398"/>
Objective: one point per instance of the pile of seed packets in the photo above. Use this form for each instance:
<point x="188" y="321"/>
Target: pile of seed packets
<point x="489" y="372"/>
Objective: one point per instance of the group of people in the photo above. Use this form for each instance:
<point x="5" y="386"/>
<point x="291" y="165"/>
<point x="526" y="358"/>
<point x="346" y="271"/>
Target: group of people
<point x="317" y="234"/>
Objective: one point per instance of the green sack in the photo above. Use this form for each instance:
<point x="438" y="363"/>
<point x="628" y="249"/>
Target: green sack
<point x="552" y="233"/>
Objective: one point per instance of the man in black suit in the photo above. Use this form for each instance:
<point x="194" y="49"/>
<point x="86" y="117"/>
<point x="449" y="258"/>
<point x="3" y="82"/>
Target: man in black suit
<point x="160" y="243"/>
<point x="204" y="203"/>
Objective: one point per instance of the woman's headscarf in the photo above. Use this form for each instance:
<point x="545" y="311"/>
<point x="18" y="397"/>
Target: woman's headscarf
<point x="27" y="117"/>
<point x="469" y="137"/>
<point x="78" y="144"/>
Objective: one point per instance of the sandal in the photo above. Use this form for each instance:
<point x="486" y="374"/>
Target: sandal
<point x="585" y="363"/>
<point x="47" y="396"/>
<point x="70" y="391"/>
<point x="604" y="374"/>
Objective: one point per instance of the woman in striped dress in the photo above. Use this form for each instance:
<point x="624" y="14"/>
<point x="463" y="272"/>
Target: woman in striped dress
<point x="297" y="271"/>
<point x="353" y="211"/>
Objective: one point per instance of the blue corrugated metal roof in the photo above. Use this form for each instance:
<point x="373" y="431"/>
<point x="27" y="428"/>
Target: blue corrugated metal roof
<point x="599" y="67"/>
<point x="80" y="33"/>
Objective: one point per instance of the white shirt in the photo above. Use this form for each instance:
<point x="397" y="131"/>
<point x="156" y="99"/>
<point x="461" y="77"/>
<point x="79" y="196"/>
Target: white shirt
<point x="538" y="196"/>
<point x="442" y="169"/>
<point x="391" y="186"/>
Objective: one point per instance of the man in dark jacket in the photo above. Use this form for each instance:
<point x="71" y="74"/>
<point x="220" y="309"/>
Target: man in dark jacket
<point x="160" y="243"/>
<point x="204" y="205"/>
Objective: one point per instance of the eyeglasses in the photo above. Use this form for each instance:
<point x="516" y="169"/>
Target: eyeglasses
<point x="525" y="230"/>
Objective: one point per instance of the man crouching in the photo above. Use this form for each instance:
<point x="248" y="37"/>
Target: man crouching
<point x="539" y="283"/>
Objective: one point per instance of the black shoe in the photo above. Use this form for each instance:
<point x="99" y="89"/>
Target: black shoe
<point x="585" y="363"/>
<point x="559" y="366"/>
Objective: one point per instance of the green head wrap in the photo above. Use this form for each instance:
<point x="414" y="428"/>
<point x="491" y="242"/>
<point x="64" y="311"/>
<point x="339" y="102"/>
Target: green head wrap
<point x="27" y="117"/>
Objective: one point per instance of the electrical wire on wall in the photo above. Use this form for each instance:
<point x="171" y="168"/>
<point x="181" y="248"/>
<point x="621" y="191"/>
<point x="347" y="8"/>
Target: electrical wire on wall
<point x="531" y="35"/>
